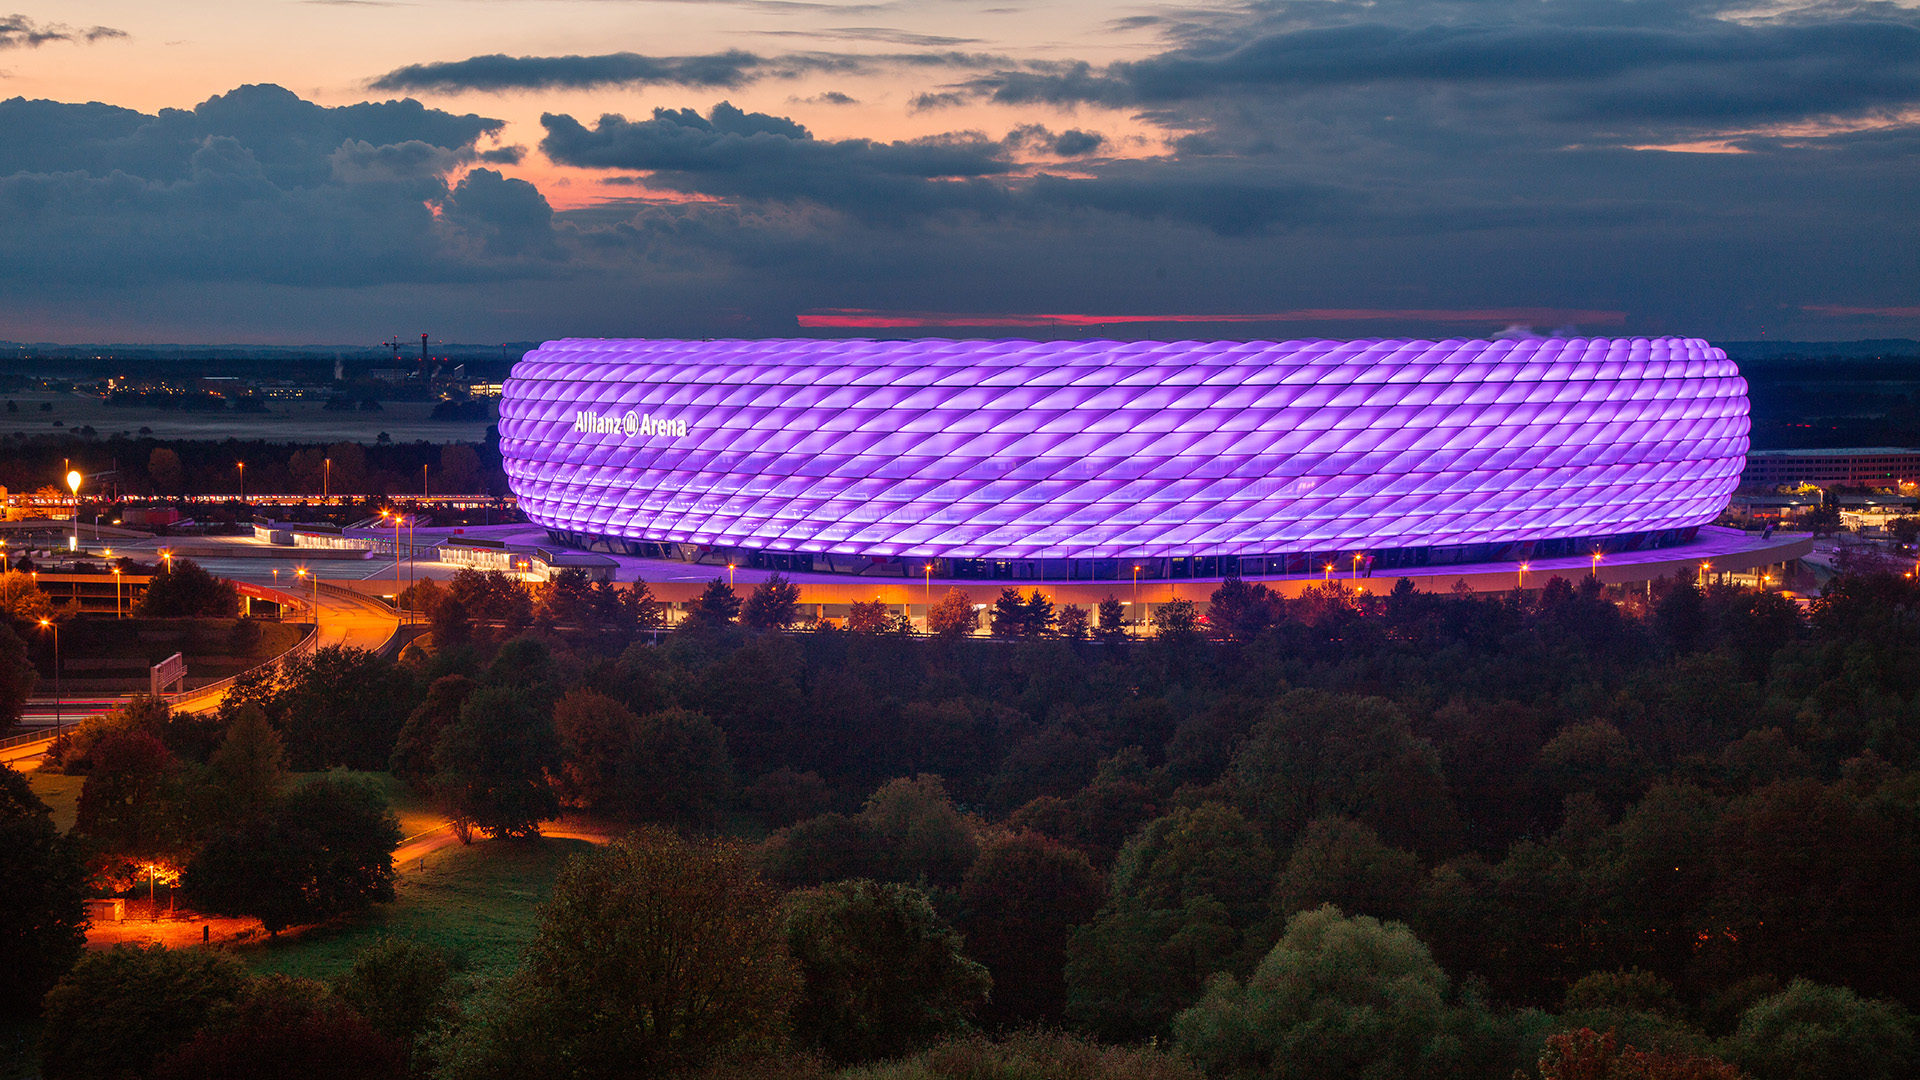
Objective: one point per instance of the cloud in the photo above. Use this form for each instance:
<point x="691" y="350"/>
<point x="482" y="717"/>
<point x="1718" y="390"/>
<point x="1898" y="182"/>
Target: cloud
<point x="256" y="185"/>
<point x="1603" y="63"/>
<point x="20" y="32"/>
<point x="723" y="70"/>
<point x="887" y="34"/>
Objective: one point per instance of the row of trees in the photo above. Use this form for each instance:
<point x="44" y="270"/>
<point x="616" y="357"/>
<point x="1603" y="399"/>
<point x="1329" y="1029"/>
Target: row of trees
<point x="146" y="466"/>
<point x="661" y="956"/>
<point x="1702" y="797"/>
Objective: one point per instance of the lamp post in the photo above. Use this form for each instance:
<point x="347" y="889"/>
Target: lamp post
<point x="1595" y="571"/>
<point x="73" y="481"/>
<point x="326" y="480"/>
<point x="929" y="588"/>
<point x="49" y="624"/>
<point x="116" y="592"/>
<point x="423" y="481"/>
<point x="1523" y="577"/>
<point x="729" y="575"/>
<point x="302" y="572"/>
<point x="1356" y="566"/>
<point x="1326" y="572"/>
<point x="1136" y="599"/>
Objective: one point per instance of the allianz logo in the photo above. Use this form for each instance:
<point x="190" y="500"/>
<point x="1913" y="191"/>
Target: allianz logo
<point x="629" y="424"/>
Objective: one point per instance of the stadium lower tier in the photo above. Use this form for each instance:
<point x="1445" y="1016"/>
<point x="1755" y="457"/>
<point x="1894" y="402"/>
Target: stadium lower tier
<point x="1173" y="567"/>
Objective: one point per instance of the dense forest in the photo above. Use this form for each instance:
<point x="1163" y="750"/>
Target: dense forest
<point x="1674" y="834"/>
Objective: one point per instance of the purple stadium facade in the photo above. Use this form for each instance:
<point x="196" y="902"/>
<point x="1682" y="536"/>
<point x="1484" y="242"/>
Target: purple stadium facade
<point x="1066" y="459"/>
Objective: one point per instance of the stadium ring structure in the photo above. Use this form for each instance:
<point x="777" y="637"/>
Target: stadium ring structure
<point x="1084" y="460"/>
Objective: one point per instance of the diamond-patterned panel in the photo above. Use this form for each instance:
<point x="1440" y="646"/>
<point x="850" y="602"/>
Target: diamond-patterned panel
<point x="1116" y="449"/>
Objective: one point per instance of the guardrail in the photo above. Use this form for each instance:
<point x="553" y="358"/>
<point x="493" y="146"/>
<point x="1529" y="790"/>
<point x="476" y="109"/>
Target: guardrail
<point x="24" y="738"/>
<point x="302" y="648"/>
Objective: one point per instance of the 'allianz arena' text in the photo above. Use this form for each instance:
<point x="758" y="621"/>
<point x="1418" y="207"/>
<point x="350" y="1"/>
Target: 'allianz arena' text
<point x="1069" y="459"/>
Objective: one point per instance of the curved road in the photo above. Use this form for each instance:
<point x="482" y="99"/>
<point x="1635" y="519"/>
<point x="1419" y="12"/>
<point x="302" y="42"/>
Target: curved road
<point x="345" y="619"/>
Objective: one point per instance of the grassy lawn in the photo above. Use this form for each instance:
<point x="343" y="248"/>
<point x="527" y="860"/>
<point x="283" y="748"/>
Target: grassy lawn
<point x="60" y="793"/>
<point x="479" y="900"/>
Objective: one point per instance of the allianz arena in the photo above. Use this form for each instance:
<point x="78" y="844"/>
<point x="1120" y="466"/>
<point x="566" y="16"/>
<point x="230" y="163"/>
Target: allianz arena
<point x="1086" y="459"/>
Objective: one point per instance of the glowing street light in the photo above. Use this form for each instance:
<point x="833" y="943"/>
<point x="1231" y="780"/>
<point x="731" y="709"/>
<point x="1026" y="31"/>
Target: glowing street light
<point x="73" y="481"/>
<point x="302" y="572"/>
<point x="49" y="624"/>
<point x="729" y="575"/>
<point x="116" y="592"/>
<point x="1326" y="572"/>
<point x="1523" y="576"/>
<point x="929" y="569"/>
<point x="242" y="466"/>
<point x="1595" y="572"/>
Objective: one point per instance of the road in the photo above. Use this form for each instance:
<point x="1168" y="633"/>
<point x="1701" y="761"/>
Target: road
<point x="349" y="620"/>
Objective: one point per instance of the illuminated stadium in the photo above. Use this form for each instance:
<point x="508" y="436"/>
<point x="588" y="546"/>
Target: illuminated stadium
<point x="1080" y="460"/>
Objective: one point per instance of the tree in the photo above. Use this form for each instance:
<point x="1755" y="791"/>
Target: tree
<point x="1343" y="862"/>
<point x="491" y="765"/>
<point x="596" y="734"/>
<point x="1014" y="616"/>
<point x="909" y="830"/>
<point x="1176" y="620"/>
<point x="287" y="1027"/>
<point x="869" y="617"/>
<point x="43" y="894"/>
<point x="186" y="591"/>
<point x="1184" y="895"/>
<point x="1022" y="899"/>
<point x="1113" y="621"/>
<point x="952" y="615"/>
<point x="120" y="1010"/>
<point x="774" y="604"/>
<point x="20" y="597"/>
<point x="1588" y="1055"/>
<point x="1073" y="623"/>
<point x="16" y="675"/>
<point x="245" y="774"/>
<point x="1318" y="753"/>
<point x="340" y="705"/>
<point x="412" y="759"/>
<point x="675" y="768"/>
<point x="1238" y="611"/>
<point x="405" y="988"/>
<point x="325" y="848"/>
<point x="1809" y="1031"/>
<point x="459" y="469"/>
<point x="133" y="803"/>
<point x="1338" y="997"/>
<point x="1681" y="613"/>
<point x="655" y="953"/>
<point x="716" y="606"/>
<point x="164" y="469"/>
<point x="882" y="974"/>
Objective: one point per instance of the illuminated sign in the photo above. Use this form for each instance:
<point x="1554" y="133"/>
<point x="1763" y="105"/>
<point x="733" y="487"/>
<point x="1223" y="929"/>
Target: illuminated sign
<point x="630" y="425"/>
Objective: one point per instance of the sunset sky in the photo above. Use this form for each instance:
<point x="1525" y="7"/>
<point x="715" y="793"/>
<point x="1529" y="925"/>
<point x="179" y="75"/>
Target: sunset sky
<point x="337" y="171"/>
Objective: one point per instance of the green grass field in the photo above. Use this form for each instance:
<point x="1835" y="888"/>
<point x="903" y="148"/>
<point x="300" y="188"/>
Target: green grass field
<point x="480" y="901"/>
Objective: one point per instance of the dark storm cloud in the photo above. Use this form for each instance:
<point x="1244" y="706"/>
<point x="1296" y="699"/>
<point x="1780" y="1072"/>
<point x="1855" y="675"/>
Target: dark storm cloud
<point x="724" y="70"/>
<point x="18" y="31"/>
<point x="1596" y="62"/>
<point x="256" y="185"/>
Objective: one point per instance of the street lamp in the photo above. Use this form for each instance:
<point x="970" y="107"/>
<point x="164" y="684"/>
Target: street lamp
<point x="326" y="480"/>
<point x="1523" y="577"/>
<point x="729" y="575"/>
<point x="73" y="481"/>
<point x="929" y="589"/>
<point x="1326" y="572"/>
<point x="1356" y="566"/>
<point x="242" y="466"/>
<point x="116" y="592"/>
<point x="1595" y="572"/>
<point x="49" y="624"/>
<point x="302" y="572"/>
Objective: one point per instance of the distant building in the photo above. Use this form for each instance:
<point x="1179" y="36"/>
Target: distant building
<point x="1864" y="466"/>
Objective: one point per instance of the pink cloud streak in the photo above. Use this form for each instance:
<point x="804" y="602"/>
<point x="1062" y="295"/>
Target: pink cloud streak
<point x="863" y="318"/>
